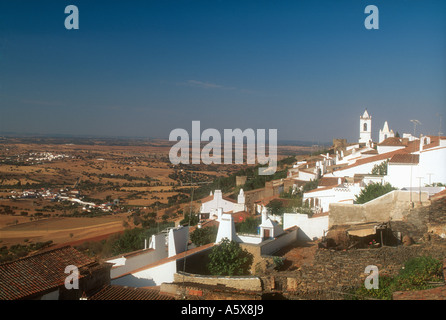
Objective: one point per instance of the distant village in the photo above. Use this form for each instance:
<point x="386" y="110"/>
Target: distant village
<point x="169" y="267"/>
<point x="65" y="194"/>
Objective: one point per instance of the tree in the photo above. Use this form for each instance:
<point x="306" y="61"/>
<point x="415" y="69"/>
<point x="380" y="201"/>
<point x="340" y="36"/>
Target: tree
<point x="202" y="236"/>
<point x="229" y="259"/>
<point x="372" y="191"/>
<point x="310" y="185"/>
<point x="380" y="169"/>
<point x="275" y="207"/>
<point x="249" y="225"/>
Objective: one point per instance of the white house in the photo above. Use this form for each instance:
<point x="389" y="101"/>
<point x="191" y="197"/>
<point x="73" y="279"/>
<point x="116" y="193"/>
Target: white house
<point x="141" y="268"/>
<point x="421" y="167"/>
<point x="319" y="199"/>
<point x="211" y="204"/>
<point x="310" y="228"/>
<point x="391" y="144"/>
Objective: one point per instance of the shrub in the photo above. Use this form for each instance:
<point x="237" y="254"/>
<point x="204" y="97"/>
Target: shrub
<point x="202" y="236"/>
<point x="229" y="259"/>
<point x="373" y="191"/>
<point x="249" y="225"/>
<point x="415" y="275"/>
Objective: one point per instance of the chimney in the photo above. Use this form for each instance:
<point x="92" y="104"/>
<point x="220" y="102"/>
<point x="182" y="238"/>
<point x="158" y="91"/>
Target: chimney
<point x="219" y="213"/>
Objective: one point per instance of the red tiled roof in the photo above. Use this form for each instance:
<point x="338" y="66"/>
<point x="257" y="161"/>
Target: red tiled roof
<point x="39" y="273"/>
<point x="392" y="141"/>
<point x="370" y="152"/>
<point x="405" y="158"/>
<point x="240" y="216"/>
<point x="114" y="292"/>
<point x="211" y="197"/>
<point x="321" y="189"/>
<point x="329" y="181"/>
<point x="383" y="156"/>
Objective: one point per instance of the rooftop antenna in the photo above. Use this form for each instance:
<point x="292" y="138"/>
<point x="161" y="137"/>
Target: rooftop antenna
<point x="439" y="130"/>
<point x="415" y="123"/>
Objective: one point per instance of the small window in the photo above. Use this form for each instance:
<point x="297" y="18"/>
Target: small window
<point x="365" y="127"/>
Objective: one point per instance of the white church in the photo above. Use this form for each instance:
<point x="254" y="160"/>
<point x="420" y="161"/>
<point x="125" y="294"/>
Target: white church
<point x="365" y="130"/>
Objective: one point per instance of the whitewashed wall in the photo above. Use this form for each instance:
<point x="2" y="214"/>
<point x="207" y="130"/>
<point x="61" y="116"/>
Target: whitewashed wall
<point x="310" y="227"/>
<point x="149" y="277"/>
<point x="126" y="264"/>
<point x="178" y="240"/>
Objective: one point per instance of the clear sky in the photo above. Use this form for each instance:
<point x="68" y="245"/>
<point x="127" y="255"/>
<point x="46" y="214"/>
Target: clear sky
<point x="144" y="68"/>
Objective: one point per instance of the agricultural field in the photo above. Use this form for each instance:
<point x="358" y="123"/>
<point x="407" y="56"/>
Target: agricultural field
<point x="65" y="190"/>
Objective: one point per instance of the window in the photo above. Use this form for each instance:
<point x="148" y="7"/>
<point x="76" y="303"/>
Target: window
<point x="365" y="127"/>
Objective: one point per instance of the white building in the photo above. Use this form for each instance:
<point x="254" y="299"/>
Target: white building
<point x="320" y="199"/>
<point x="365" y="129"/>
<point x="309" y="228"/>
<point x="421" y="167"/>
<point x="391" y="144"/>
<point x="211" y="204"/>
<point x="154" y="264"/>
<point x="385" y="133"/>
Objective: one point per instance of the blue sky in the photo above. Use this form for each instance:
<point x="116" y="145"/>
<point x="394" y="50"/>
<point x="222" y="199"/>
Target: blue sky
<point x="144" y="68"/>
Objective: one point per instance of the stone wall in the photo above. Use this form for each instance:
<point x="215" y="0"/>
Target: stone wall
<point x="334" y="272"/>
<point x="394" y="205"/>
<point x="194" y="291"/>
<point x="249" y="283"/>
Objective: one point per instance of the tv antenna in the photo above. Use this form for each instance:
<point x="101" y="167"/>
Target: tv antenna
<point x="415" y="123"/>
<point x="439" y="129"/>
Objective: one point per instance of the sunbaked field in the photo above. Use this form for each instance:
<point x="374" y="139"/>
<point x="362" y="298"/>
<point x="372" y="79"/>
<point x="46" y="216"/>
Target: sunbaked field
<point x="74" y="190"/>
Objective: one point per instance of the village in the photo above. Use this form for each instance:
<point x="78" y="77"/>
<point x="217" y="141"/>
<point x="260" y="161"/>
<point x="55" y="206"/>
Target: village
<point x="311" y="237"/>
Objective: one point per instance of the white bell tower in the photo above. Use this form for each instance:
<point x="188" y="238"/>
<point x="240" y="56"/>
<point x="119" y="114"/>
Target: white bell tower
<point x="365" y="128"/>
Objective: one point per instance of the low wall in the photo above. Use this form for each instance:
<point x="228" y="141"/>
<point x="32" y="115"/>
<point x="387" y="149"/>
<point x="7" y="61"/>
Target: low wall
<point x="133" y="262"/>
<point x="394" y="205"/>
<point x="243" y="283"/>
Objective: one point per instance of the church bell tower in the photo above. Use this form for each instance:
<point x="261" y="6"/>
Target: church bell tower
<point x="365" y="129"/>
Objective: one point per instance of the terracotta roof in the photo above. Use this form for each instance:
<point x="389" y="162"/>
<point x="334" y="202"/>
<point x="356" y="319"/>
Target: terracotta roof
<point x="392" y="141"/>
<point x="329" y="181"/>
<point x="210" y="198"/>
<point x="320" y="189"/>
<point x="114" y="292"/>
<point x="405" y="158"/>
<point x="241" y="216"/>
<point x="383" y="156"/>
<point x="370" y="152"/>
<point x="39" y="273"/>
